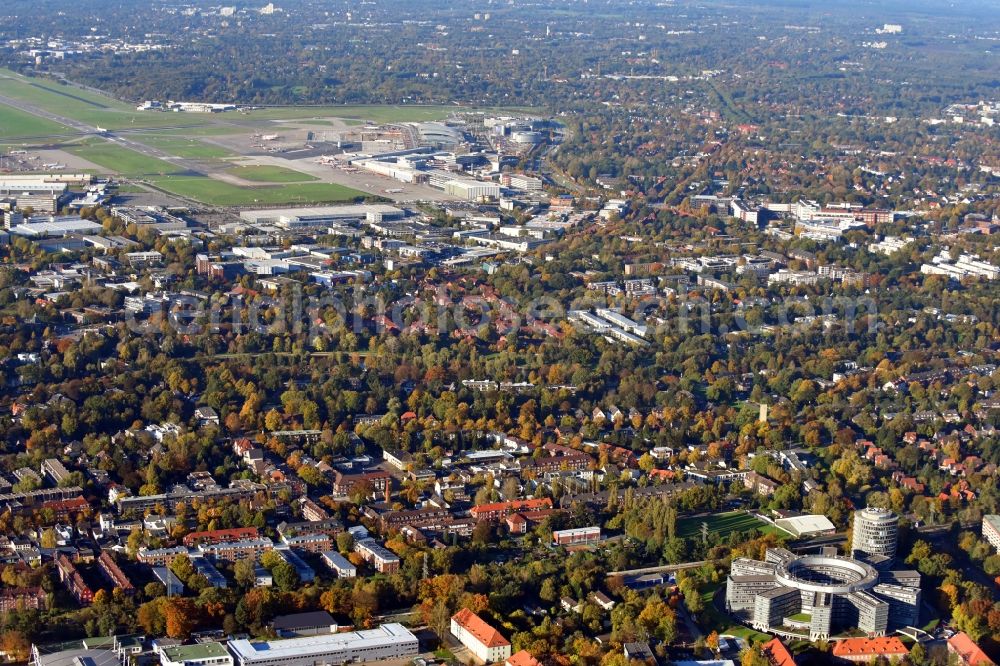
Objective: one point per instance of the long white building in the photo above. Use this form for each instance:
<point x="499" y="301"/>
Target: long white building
<point x="388" y="641"/>
<point x="318" y="216"/>
<point x="485" y="642"/>
<point x="991" y="530"/>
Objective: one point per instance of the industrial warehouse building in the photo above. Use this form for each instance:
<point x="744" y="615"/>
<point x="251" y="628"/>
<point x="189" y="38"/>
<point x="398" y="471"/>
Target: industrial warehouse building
<point x="319" y="216"/>
<point x="389" y="641"/>
<point x="39" y="194"/>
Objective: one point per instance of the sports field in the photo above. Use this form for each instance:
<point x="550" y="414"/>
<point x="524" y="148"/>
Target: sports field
<point x="270" y="174"/>
<point x="723" y="524"/>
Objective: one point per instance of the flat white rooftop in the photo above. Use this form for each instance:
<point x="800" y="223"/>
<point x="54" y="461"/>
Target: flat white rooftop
<point x="320" y="212"/>
<point x="803" y="525"/>
<point x="56" y="227"/>
<point x="250" y="651"/>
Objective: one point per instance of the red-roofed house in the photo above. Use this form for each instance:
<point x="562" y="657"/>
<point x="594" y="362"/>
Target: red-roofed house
<point x="518" y="523"/>
<point x="483" y="641"/>
<point x="776" y="653"/>
<point x="499" y="510"/>
<point x="865" y="649"/>
<point x="967" y="650"/>
<point x="522" y="658"/>
<point x="220" y="536"/>
<point x="67" y="507"/>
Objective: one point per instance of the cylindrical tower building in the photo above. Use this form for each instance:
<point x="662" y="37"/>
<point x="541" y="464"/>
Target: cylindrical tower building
<point x="875" y="532"/>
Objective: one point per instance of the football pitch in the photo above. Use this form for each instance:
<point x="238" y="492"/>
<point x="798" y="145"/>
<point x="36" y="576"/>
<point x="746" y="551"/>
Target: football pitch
<point x="723" y="524"/>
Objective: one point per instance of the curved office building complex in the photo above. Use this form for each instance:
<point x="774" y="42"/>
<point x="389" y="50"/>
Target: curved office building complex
<point x="821" y="595"/>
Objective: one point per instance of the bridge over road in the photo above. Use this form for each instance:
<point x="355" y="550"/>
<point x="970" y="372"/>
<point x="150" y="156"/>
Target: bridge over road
<point x="666" y="568"/>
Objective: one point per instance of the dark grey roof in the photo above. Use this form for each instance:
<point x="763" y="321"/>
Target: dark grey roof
<point x="302" y="621"/>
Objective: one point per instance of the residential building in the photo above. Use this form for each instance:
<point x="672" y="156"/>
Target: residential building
<point x="305" y="572"/>
<point x="312" y="543"/>
<point x="522" y="658"/>
<point x="483" y="641"/>
<point x="114" y="574"/>
<point x="638" y="650"/>
<point x="373" y="483"/>
<point x="193" y="539"/>
<point x="864" y="650"/>
<point x="54" y="471"/>
<point x="498" y="510"/>
<point x="208" y="570"/>
<point x="991" y="530"/>
<point x="311" y="511"/>
<point x="160" y="557"/>
<point x="21" y="598"/>
<point x="170" y="581"/>
<point x="71" y="578"/>
<point x="231" y="551"/>
<point x="968" y="651"/>
<point x="339" y="564"/>
<point x="380" y="557"/>
<point x="760" y="484"/>
<point x="776" y="653"/>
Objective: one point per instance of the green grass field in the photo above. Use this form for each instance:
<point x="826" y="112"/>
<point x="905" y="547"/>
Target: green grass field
<point x="723" y="524"/>
<point x="97" y="109"/>
<point x="86" y="106"/>
<point x="203" y="130"/>
<point x="183" y="147"/>
<point x="15" y="124"/>
<point x="166" y="176"/>
<point x="724" y="624"/>
<point x="270" y="174"/>
<point x="218" y="193"/>
<point x="121" y="161"/>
